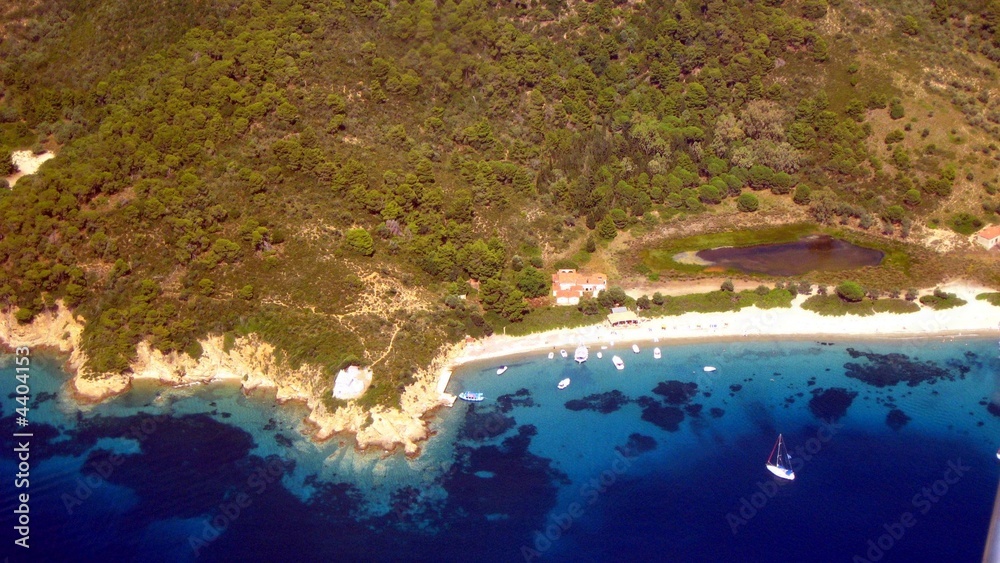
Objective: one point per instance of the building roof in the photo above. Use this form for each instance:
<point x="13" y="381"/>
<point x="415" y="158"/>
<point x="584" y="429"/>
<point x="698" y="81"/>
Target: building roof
<point x="990" y="232"/>
<point x="566" y="292"/>
<point x="626" y="317"/>
<point x="578" y="278"/>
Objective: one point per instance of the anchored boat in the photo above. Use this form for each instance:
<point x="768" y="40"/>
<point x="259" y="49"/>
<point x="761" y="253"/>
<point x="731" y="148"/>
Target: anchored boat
<point x="779" y="462"/>
<point x="581" y="354"/>
<point x="471" y="397"/>
<point x="618" y="362"/>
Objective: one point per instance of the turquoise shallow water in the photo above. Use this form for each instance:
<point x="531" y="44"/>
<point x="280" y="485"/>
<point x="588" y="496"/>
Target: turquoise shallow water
<point x="659" y="460"/>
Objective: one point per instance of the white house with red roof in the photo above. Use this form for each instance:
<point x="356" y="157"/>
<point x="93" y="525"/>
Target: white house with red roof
<point x="568" y="285"/>
<point x="989" y="237"/>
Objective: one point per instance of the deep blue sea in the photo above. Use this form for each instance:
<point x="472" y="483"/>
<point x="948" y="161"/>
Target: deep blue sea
<point x="893" y="444"/>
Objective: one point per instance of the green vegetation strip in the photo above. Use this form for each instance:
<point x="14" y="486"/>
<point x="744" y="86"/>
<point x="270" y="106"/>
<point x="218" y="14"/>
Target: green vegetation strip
<point x="992" y="298"/>
<point x="833" y="306"/>
<point x="718" y="301"/>
<point x="941" y="300"/>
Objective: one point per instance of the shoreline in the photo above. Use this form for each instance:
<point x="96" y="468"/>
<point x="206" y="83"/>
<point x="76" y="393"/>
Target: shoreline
<point x="975" y="319"/>
<point x="250" y="365"/>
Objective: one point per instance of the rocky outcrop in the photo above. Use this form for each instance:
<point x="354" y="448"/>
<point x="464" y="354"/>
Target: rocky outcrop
<point x="247" y="361"/>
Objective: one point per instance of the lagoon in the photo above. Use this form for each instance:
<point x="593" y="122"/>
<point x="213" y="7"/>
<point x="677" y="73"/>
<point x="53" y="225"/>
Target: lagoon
<point x="812" y="253"/>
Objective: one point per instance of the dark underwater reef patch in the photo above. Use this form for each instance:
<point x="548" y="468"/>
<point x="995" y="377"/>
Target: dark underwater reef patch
<point x="521" y="398"/>
<point x="831" y="403"/>
<point x="896" y="419"/>
<point x="603" y="403"/>
<point x="676" y="392"/>
<point x="637" y="444"/>
<point x="886" y="370"/>
<point x="666" y="417"/>
<point x="483" y="423"/>
<point x="667" y="410"/>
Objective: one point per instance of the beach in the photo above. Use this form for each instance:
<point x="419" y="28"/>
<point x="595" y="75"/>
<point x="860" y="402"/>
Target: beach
<point x="975" y="318"/>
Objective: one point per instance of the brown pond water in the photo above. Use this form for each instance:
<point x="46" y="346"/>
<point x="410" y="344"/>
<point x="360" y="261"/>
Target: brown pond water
<point x="812" y="253"/>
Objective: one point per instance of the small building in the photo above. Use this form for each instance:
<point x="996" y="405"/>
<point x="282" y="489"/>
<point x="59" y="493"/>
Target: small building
<point x="568" y="285"/>
<point x="620" y="316"/>
<point x="351" y="383"/>
<point x="989" y="237"/>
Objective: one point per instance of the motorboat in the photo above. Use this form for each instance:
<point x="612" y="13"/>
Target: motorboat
<point x="581" y="354"/>
<point x="600" y="355"/>
<point x="501" y="370"/>
<point x="563" y="353"/>
<point x="551" y="355"/>
<point x="471" y="397"/>
<point x="563" y="383"/>
<point x="656" y="353"/>
<point x="709" y="368"/>
<point x="618" y="362"/>
<point x="635" y="348"/>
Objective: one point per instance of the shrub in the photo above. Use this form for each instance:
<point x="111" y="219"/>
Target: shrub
<point x="24" y="315"/>
<point x="359" y="241"/>
<point x="727" y="286"/>
<point x="747" y="203"/>
<point x="850" y="291"/>
<point x="942" y="300"/>
<point x="894" y="136"/>
<point x="802" y="194"/>
<point x="965" y="223"/>
<point x="245" y="292"/>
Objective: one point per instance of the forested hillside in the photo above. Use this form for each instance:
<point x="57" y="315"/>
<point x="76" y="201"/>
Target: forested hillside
<point x="328" y="174"/>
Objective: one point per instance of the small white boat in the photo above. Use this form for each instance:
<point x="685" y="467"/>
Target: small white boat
<point x="600" y="355"/>
<point x="471" y="397"/>
<point x="656" y="353"/>
<point x="551" y="355"/>
<point x="581" y="354"/>
<point x="618" y="362"/>
<point x="635" y="348"/>
<point x="603" y="347"/>
<point x="998" y="454"/>
<point x="563" y="383"/>
<point x="779" y="463"/>
<point x="709" y="368"/>
<point x="563" y="353"/>
<point x="501" y="370"/>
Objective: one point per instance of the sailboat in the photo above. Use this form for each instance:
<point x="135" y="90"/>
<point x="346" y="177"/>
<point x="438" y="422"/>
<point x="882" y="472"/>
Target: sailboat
<point x="778" y="462"/>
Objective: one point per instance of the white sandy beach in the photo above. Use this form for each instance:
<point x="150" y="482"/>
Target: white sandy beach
<point x="973" y="318"/>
